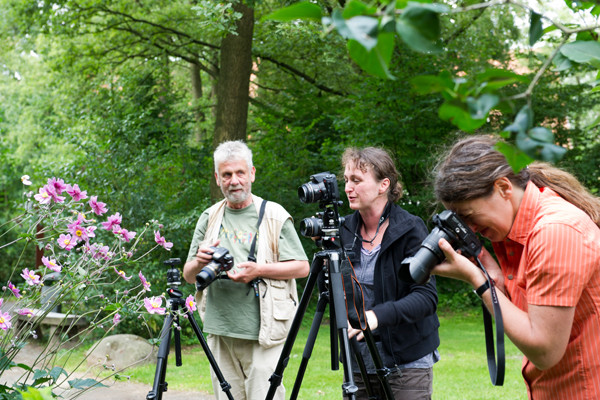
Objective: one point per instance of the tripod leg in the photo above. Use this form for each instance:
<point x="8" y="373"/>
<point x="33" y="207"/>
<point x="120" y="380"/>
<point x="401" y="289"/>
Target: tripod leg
<point x="160" y="385"/>
<point x="276" y="378"/>
<point x="225" y="386"/>
<point x="338" y="301"/>
<point x="383" y="372"/>
<point x="310" y="343"/>
<point x="363" y="369"/>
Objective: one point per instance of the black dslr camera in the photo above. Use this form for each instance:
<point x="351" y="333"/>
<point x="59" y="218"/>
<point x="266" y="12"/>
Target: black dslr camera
<point x="450" y="227"/>
<point x="221" y="261"/>
<point x="324" y="189"/>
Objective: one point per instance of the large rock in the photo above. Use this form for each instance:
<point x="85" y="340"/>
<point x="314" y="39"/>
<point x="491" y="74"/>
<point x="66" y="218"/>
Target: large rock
<point x="122" y="351"/>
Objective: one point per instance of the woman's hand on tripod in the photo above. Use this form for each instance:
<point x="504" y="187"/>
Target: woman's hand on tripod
<point x="371" y="321"/>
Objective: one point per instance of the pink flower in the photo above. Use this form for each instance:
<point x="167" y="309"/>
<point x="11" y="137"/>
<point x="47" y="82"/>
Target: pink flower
<point x="190" y="303"/>
<point x="113" y="222"/>
<point x="14" y="290"/>
<point x="125" y="234"/>
<point x="54" y="191"/>
<point x="153" y="305"/>
<point x="57" y="184"/>
<point x="145" y="283"/>
<point x="162" y="241"/>
<point x="122" y="274"/>
<point x="31" y="277"/>
<point x="66" y="241"/>
<point x="5" y="321"/>
<point x="97" y="206"/>
<point x="78" y="231"/>
<point x="76" y="193"/>
<point x="43" y="197"/>
<point x="25" y="180"/>
<point x="117" y="319"/>
<point x="51" y="263"/>
<point x="25" y="311"/>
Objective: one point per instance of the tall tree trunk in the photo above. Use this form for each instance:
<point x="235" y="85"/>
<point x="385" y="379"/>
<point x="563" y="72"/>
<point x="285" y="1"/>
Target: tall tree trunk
<point x="234" y="83"/>
<point x="197" y="94"/>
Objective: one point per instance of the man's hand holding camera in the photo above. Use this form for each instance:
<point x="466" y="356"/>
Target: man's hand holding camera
<point x="205" y="252"/>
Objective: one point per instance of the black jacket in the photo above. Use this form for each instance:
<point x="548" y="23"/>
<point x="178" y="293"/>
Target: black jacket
<point x="406" y="313"/>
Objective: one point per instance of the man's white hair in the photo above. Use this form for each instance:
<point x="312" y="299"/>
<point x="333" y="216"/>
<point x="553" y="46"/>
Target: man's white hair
<point x="230" y="151"/>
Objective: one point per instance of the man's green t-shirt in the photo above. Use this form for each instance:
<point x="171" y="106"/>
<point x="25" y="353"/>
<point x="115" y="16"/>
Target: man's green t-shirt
<point x="232" y="308"/>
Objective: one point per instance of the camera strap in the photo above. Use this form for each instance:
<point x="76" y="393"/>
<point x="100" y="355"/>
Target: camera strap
<point x="495" y="365"/>
<point x="251" y="254"/>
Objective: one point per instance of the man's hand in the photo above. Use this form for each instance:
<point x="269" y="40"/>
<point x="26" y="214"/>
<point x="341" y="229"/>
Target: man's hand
<point x="244" y="272"/>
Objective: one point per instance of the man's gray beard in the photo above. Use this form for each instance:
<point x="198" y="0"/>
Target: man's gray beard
<point x="237" y="198"/>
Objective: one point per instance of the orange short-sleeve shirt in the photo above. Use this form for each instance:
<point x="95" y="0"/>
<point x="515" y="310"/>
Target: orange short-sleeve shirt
<point x="551" y="257"/>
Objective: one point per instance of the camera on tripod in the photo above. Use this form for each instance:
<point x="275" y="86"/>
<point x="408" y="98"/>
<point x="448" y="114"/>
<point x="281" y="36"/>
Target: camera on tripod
<point x="323" y="188"/>
<point x="448" y="226"/>
<point x="221" y="261"/>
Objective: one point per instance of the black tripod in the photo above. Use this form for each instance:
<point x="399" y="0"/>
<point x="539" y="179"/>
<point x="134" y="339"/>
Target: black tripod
<point x="326" y="269"/>
<point x="175" y="303"/>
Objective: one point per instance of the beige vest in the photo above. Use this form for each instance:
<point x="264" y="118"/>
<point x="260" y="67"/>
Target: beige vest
<point x="278" y="298"/>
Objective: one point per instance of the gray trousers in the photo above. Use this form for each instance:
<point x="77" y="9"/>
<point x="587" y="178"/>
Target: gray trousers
<point x="410" y="384"/>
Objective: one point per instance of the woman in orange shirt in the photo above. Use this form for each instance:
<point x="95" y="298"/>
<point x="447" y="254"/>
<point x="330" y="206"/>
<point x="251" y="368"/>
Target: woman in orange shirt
<point x="543" y="225"/>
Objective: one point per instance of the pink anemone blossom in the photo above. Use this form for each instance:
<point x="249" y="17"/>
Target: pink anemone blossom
<point x="14" y="290"/>
<point x="97" y="206"/>
<point x="5" y="323"/>
<point x="51" y="264"/>
<point x="66" y="241"/>
<point x="190" y="303"/>
<point x="145" y="283"/>
<point x="31" y="277"/>
<point x="162" y="241"/>
<point x="153" y="305"/>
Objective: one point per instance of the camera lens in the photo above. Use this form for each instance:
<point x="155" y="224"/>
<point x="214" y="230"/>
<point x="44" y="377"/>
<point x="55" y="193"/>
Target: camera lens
<point x="311" y="192"/>
<point x="206" y="275"/>
<point x="418" y="267"/>
<point x="311" y="227"/>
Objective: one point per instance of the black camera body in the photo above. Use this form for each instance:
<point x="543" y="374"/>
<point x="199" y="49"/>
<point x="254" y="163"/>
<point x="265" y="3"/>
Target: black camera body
<point x="448" y="226"/>
<point x="323" y="188"/>
<point x="221" y="261"/>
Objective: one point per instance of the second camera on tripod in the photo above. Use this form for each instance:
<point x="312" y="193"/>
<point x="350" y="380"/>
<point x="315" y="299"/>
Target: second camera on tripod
<point x="221" y="261"/>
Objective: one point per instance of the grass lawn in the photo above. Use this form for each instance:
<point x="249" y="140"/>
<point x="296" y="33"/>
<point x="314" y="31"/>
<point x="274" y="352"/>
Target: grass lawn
<point x="460" y="374"/>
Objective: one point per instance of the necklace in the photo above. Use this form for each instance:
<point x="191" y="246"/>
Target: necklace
<point x="384" y="216"/>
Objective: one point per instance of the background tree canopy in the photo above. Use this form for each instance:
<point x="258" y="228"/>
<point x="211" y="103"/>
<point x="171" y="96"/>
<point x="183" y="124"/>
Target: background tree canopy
<point x="128" y="99"/>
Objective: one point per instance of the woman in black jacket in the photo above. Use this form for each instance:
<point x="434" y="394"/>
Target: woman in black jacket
<point x="402" y="316"/>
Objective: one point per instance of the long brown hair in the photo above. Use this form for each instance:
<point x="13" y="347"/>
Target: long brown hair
<point x="470" y="168"/>
<point x="380" y="162"/>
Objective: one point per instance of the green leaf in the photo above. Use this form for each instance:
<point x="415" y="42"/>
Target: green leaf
<point x="376" y="61"/>
<point x="495" y="79"/>
<point x="535" y="28"/>
<point x="515" y="157"/>
<point x="85" y="383"/>
<point x="355" y="7"/>
<point x="459" y="117"/>
<point x="539" y="143"/>
<point x="480" y="107"/>
<point x="419" y="28"/>
<point x="427" y="84"/>
<point x="56" y="372"/>
<point x="301" y="10"/>
<point x="37" y="394"/>
<point x="523" y="121"/>
<point x="363" y="30"/>
<point x="582" y="51"/>
<point x="561" y="62"/>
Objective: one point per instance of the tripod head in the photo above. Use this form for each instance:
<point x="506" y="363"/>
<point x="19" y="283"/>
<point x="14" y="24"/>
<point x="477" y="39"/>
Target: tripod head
<point x="173" y="278"/>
